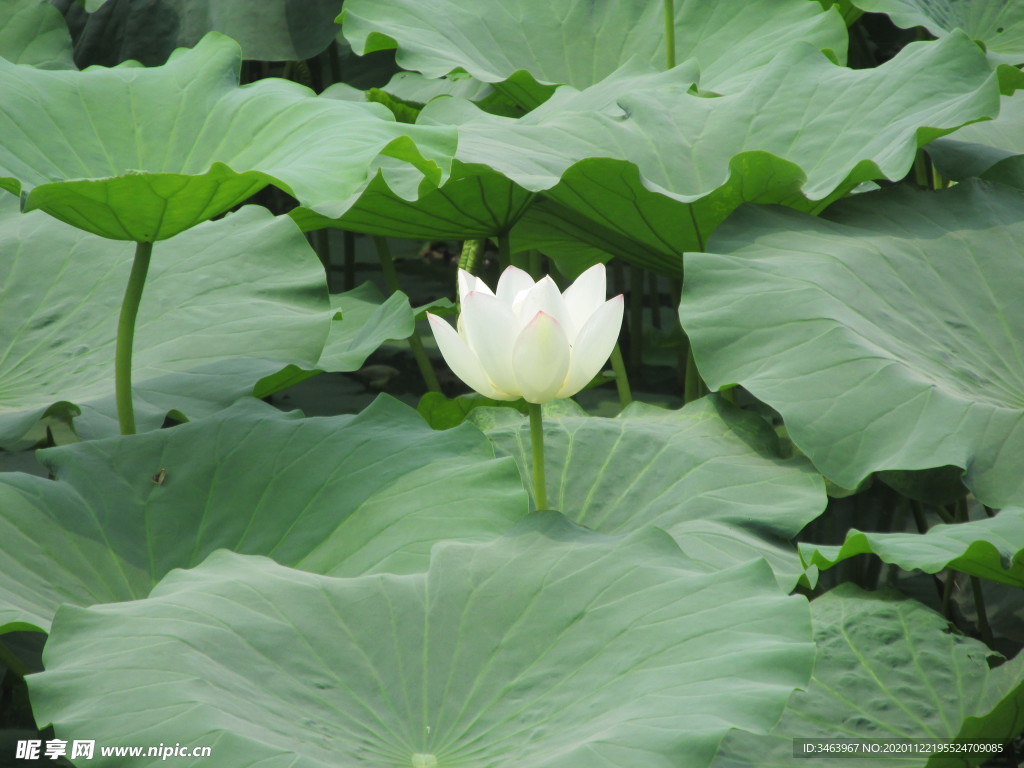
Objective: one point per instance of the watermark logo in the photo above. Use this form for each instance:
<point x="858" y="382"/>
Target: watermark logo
<point x="85" y="749"/>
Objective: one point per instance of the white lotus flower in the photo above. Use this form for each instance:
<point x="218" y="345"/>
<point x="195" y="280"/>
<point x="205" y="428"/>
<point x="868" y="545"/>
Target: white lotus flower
<point x="528" y="339"/>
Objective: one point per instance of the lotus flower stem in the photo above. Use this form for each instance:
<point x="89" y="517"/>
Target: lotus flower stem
<point x="540" y="491"/>
<point x="126" y="337"/>
<point x="621" y="379"/>
<point x="415" y="342"/>
<point x="670" y="34"/>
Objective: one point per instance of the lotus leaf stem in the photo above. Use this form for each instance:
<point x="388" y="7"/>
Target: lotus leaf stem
<point x="126" y="337"/>
<point x="621" y="379"/>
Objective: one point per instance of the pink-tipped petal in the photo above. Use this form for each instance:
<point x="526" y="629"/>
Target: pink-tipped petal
<point x="545" y="297"/>
<point x="490" y="329"/>
<point x="468" y="282"/>
<point x="593" y="346"/>
<point x="461" y="359"/>
<point x="541" y="359"/>
<point x="586" y="295"/>
<point x="512" y="282"/>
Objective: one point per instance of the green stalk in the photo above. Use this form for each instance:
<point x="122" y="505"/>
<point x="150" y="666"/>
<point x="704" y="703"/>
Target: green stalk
<point x="979" y="605"/>
<point x="534" y="261"/>
<point x="621" y="379"/>
<point x="540" y="491"/>
<point x="670" y="34"/>
<point x="415" y="342"/>
<point x="506" y="257"/>
<point x="471" y="250"/>
<point x="126" y="337"/>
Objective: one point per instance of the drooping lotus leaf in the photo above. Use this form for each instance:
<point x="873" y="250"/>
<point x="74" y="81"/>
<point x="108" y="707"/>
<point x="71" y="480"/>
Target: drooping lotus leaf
<point x="992" y="149"/>
<point x="33" y="32"/>
<point x="547" y="647"/>
<point x="526" y="44"/>
<point x="266" y="30"/>
<point x="654" y="163"/>
<point x="887" y="334"/>
<point x="476" y="202"/>
<point x="997" y="24"/>
<point x="363" y="320"/>
<point x="992" y="548"/>
<point x="708" y="474"/>
<point x="341" y="495"/>
<point x="888" y="668"/>
<point x="142" y="154"/>
<point x="204" y="337"/>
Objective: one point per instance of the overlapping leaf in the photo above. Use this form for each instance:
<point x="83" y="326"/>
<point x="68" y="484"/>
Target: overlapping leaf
<point x="476" y="202"/>
<point x="143" y="154"/>
<point x="708" y="474"/>
<point x="33" y="32"/>
<point x="997" y="24"/>
<point x="992" y="149"/>
<point x="655" y="164"/>
<point x="268" y="30"/>
<point x="888" y="335"/>
<point x="992" y="548"/>
<point x="341" y="495"/>
<point x="887" y="668"/>
<point x="225" y="305"/>
<point x="549" y="647"/>
<point x="529" y="43"/>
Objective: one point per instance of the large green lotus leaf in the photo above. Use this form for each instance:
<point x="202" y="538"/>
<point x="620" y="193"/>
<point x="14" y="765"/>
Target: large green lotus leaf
<point x="551" y="647"/>
<point x="476" y="202"/>
<point x="888" y="668"/>
<point x="992" y="548"/>
<point x="33" y="32"/>
<point x="267" y="30"/>
<point x="203" y="337"/>
<point x="709" y="474"/>
<point x="652" y="162"/>
<point x="341" y="495"/>
<point x="997" y="24"/>
<point x="144" y="153"/>
<point x="529" y="42"/>
<point x="887" y="334"/>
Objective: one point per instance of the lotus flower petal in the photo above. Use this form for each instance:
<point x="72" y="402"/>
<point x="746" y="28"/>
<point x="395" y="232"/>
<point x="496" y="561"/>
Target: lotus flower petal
<point x="512" y="282"/>
<point x="528" y="339"/>
<point x="462" y="361"/>
<point x="490" y="328"/>
<point x="541" y="359"/>
<point x="586" y="295"/>
<point x="545" y="297"/>
<point x="593" y="346"/>
<point x="468" y="283"/>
